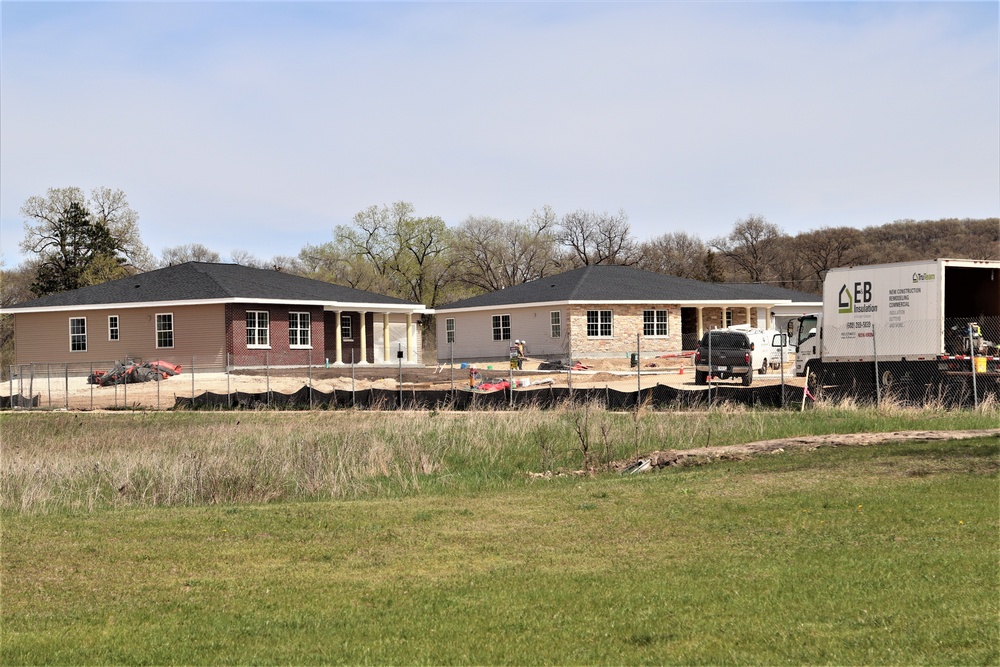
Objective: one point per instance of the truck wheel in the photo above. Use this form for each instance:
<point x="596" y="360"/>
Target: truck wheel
<point x="748" y="378"/>
<point x="700" y="377"/>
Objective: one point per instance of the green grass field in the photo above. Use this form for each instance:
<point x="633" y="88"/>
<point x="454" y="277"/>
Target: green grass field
<point x="371" y="538"/>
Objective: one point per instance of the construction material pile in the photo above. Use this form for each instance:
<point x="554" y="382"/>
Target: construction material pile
<point x="131" y="372"/>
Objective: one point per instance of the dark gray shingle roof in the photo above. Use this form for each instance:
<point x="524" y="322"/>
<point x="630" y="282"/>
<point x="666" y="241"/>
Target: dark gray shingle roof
<point x="196" y="281"/>
<point x="599" y="284"/>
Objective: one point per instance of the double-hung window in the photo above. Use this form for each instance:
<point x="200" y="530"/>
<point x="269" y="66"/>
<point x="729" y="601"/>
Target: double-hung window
<point x="449" y="329"/>
<point x="78" y="334"/>
<point x="298" y="330"/>
<point x="501" y="327"/>
<point x="346" y="327"/>
<point x="555" y="323"/>
<point x="164" y="330"/>
<point x="655" y="323"/>
<point x="114" y="331"/>
<point x="599" y="324"/>
<point x="257" y="328"/>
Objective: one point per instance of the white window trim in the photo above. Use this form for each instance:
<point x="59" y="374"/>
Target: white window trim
<point x="611" y="323"/>
<point x="71" y="334"/>
<point x="449" y="330"/>
<point x="157" y="330"/>
<point x="299" y="346"/>
<point x="117" y="328"/>
<point x="350" y="324"/>
<point x="493" y="328"/>
<point x="260" y="346"/>
<point x="655" y="311"/>
<point x="552" y="325"/>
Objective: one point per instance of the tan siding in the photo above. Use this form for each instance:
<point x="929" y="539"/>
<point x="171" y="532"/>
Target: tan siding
<point x="199" y="332"/>
<point x="474" y="334"/>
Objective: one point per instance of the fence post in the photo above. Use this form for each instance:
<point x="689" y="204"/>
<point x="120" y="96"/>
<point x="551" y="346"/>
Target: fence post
<point x="10" y="380"/>
<point x="48" y="381"/>
<point x="354" y="398"/>
<point x="229" y="391"/>
<point x="267" y="375"/>
<point x="31" y="384"/>
<point x="67" y="388"/>
<point x="309" y="360"/>
<point x="159" y="381"/>
<point x="192" y="382"/>
<point x="452" y="346"/>
<point x="125" y="388"/>
<point x="972" y="355"/>
<point x="89" y="379"/>
<point x="781" y="356"/>
<point x="709" y="376"/>
<point x="638" y="371"/>
<point x="878" y="384"/>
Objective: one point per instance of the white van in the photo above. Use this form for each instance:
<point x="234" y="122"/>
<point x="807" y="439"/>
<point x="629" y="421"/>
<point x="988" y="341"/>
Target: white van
<point x="767" y="347"/>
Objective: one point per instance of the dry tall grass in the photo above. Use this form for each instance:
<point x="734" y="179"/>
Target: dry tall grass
<point x="83" y="462"/>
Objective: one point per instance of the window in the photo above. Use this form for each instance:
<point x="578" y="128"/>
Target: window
<point x="501" y="327"/>
<point x="555" y="321"/>
<point x="298" y="330"/>
<point x="164" y="330"/>
<point x="449" y="328"/>
<point x="599" y="324"/>
<point x="257" y="323"/>
<point x="113" y="330"/>
<point x="78" y="334"/>
<point x="729" y="318"/>
<point x="346" y="327"/>
<point x="655" y="323"/>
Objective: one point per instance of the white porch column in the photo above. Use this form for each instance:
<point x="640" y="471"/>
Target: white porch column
<point x="409" y="338"/>
<point x="385" y="337"/>
<point x="748" y="315"/>
<point x="364" y="337"/>
<point x="764" y="318"/>
<point x="338" y="358"/>
<point x="722" y="314"/>
<point x="701" y="322"/>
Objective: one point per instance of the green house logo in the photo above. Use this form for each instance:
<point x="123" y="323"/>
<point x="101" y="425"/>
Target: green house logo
<point x="844" y="301"/>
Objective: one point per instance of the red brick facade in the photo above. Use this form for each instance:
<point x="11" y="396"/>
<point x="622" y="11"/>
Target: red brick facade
<point x="278" y="352"/>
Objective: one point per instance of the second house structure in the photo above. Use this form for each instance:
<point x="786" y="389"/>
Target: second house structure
<point x="598" y="311"/>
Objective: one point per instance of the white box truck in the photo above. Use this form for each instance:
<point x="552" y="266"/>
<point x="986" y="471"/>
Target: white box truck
<point x="923" y="321"/>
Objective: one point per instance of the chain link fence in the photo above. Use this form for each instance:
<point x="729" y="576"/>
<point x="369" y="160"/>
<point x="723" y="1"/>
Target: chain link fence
<point x="912" y="363"/>
<point x="966" y="373"/>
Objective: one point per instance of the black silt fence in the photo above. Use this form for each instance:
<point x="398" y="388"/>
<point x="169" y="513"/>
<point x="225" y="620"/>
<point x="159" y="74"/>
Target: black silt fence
<point x="657" y="397"/>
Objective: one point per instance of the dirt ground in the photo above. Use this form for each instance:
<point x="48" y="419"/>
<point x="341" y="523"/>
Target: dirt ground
<point x="76" y="393"/>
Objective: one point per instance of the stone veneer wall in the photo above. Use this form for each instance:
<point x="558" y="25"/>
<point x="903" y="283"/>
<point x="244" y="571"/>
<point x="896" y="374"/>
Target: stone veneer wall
<point x="712" y="317"/>
<point x="626" y="322"/>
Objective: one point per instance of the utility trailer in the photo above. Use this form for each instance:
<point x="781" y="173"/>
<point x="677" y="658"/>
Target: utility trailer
<point x="919" y="327"/>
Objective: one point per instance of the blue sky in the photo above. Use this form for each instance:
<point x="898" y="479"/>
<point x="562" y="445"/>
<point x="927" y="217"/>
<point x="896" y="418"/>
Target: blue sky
<point x="261" y="126"/>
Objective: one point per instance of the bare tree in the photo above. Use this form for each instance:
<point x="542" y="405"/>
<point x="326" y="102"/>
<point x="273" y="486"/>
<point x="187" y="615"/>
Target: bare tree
<point x="677" y="254"/>
<point x="494" y="254"/>
<point x="828" y="248"/>
<point x="189" y="252"/>
<point x="598" y="238"/>
<point x="750" y="247"/>
<point x="80" y="242"/>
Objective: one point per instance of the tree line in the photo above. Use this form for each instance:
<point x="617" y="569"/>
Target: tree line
<point x="73" y="240"/>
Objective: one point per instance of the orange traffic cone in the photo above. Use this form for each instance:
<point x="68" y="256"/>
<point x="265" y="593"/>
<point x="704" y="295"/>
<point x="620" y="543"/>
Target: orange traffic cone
<point x="681" y="371"/>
